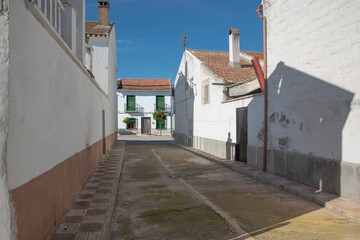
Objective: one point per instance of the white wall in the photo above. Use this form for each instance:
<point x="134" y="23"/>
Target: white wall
<point x="56" y="109"/>
<point x="101" y="61"/>
<point x="313" y="70"/>
<point x="112" y="85"/>
<point x="147" y="101"/>
<point x="5" y="212"/>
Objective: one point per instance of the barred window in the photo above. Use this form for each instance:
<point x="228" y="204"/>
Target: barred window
<point x="132" y="124"/>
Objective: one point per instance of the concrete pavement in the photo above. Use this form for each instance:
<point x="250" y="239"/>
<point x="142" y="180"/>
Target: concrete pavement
<point x="334" y="203"/>
<point x="168" y="193"/>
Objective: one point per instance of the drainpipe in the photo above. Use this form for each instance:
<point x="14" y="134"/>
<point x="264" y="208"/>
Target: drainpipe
<point x="260" y="11"/>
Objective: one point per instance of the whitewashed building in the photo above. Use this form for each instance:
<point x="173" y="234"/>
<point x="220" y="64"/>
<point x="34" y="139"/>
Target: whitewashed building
<point x="218" y="100"/>
<point x="314" y="93"/>
<point x="101" y="38"/>
<point x="138" y="99"/>
<point x="56" y="120"/>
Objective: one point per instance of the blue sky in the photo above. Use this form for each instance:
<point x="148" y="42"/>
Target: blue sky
<point x="149" y="32"/>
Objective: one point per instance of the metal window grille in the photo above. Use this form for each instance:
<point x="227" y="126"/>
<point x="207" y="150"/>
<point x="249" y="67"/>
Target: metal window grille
<point x="133" y="124"/>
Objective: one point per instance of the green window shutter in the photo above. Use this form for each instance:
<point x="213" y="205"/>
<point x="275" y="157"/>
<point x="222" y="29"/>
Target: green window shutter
<point x="130" y="103"/>
<point x="160" y="103"/>
<point x="160" y="124"/>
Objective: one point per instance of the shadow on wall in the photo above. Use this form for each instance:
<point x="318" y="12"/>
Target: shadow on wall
<point x="229" y="147"/>
<point x="306" y="116"/>
<point x="184" y="103"/>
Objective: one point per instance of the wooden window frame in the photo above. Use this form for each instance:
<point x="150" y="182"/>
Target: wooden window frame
<point x="205" y="92"/>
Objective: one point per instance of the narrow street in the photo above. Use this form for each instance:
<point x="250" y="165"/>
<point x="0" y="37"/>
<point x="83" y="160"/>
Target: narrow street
<point x="166" y="192"/>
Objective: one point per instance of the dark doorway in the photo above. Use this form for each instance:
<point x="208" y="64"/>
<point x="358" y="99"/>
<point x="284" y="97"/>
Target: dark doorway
<point x="241" y="134"/>
<point x="145" y="125"/>
<point x="103" y="132"/>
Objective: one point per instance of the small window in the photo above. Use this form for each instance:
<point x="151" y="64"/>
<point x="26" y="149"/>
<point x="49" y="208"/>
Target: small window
<point x="160" y="124"/>
<point x="205" y="92"/>
<point x="132" y="124"/>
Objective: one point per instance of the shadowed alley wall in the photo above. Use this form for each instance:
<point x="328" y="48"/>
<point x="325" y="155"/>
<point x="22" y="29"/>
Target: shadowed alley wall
<point x="314" y="91"/>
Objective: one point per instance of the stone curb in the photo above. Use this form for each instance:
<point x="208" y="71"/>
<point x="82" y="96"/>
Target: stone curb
<point x="110" y="212"/>
<point x="340" y="205"/>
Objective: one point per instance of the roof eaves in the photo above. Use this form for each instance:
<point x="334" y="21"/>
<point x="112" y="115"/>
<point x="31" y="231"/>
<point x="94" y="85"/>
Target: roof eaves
<point x="203" y="64"/>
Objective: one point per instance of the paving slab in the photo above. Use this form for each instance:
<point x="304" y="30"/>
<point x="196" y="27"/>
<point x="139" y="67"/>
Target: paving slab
<point x="89" y="217"/>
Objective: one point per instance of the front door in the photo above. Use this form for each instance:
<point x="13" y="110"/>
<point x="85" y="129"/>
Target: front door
<point x="241" y="134"/>
<point x="145" y="125"/>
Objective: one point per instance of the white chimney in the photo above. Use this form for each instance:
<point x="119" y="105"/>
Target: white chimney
<point x="234" y="47"/>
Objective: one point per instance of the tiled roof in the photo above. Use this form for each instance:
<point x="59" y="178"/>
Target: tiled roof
<point x="218" y="63"/>
<point x="136" y="84"/>
<point x="95" y="28"/>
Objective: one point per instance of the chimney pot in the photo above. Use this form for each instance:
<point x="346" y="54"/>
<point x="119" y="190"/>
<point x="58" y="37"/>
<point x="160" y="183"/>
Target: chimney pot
<point x="103" y="7"/>
<point x="234" y="47"/>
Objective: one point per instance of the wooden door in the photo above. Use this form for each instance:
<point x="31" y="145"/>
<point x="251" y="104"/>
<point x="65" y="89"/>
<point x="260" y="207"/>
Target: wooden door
<point x="145" y="125"/>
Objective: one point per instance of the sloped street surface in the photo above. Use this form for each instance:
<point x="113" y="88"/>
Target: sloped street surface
<point x="166" y="192"/>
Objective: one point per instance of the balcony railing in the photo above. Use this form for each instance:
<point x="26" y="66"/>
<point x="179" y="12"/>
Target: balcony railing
<point x="165" y="108"/>
<point x="51" y="10"/>
<point x="136" y="109"/>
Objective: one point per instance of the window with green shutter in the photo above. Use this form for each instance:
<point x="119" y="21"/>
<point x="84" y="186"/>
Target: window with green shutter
<point x="130" y="103"/>
<point x="160" y="124"/>
<point x="160" y="103"/>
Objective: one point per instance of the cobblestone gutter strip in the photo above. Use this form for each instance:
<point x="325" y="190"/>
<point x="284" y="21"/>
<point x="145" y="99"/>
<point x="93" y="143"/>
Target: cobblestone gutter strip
<point x="120" y="151"/>
<point x="89" y="217"/>
<point x="343" y="206"/>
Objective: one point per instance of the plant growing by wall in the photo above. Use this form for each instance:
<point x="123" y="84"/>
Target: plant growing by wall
<point x="159" y="115"/>
<point x="127" y="121"/>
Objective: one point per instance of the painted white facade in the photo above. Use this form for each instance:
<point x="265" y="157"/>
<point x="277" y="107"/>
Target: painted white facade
<point x="146" y="101"/>
<point x="314" y="92"/>
<point x="101" y="59"/>
<point x="210" y="127"/>
<point x="104" y="62"/>
<point x="52" y="107"/>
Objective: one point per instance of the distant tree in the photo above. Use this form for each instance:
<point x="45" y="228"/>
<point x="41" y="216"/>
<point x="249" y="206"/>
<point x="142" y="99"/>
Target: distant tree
<point x="159" y="115"/>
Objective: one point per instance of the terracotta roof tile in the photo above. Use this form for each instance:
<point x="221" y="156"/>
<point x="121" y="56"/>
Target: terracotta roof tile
<point x="259" y="55"/>
<point x="218" y="63"/>
<point x="95" y="28"/>
<point x="136" y="84"/>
